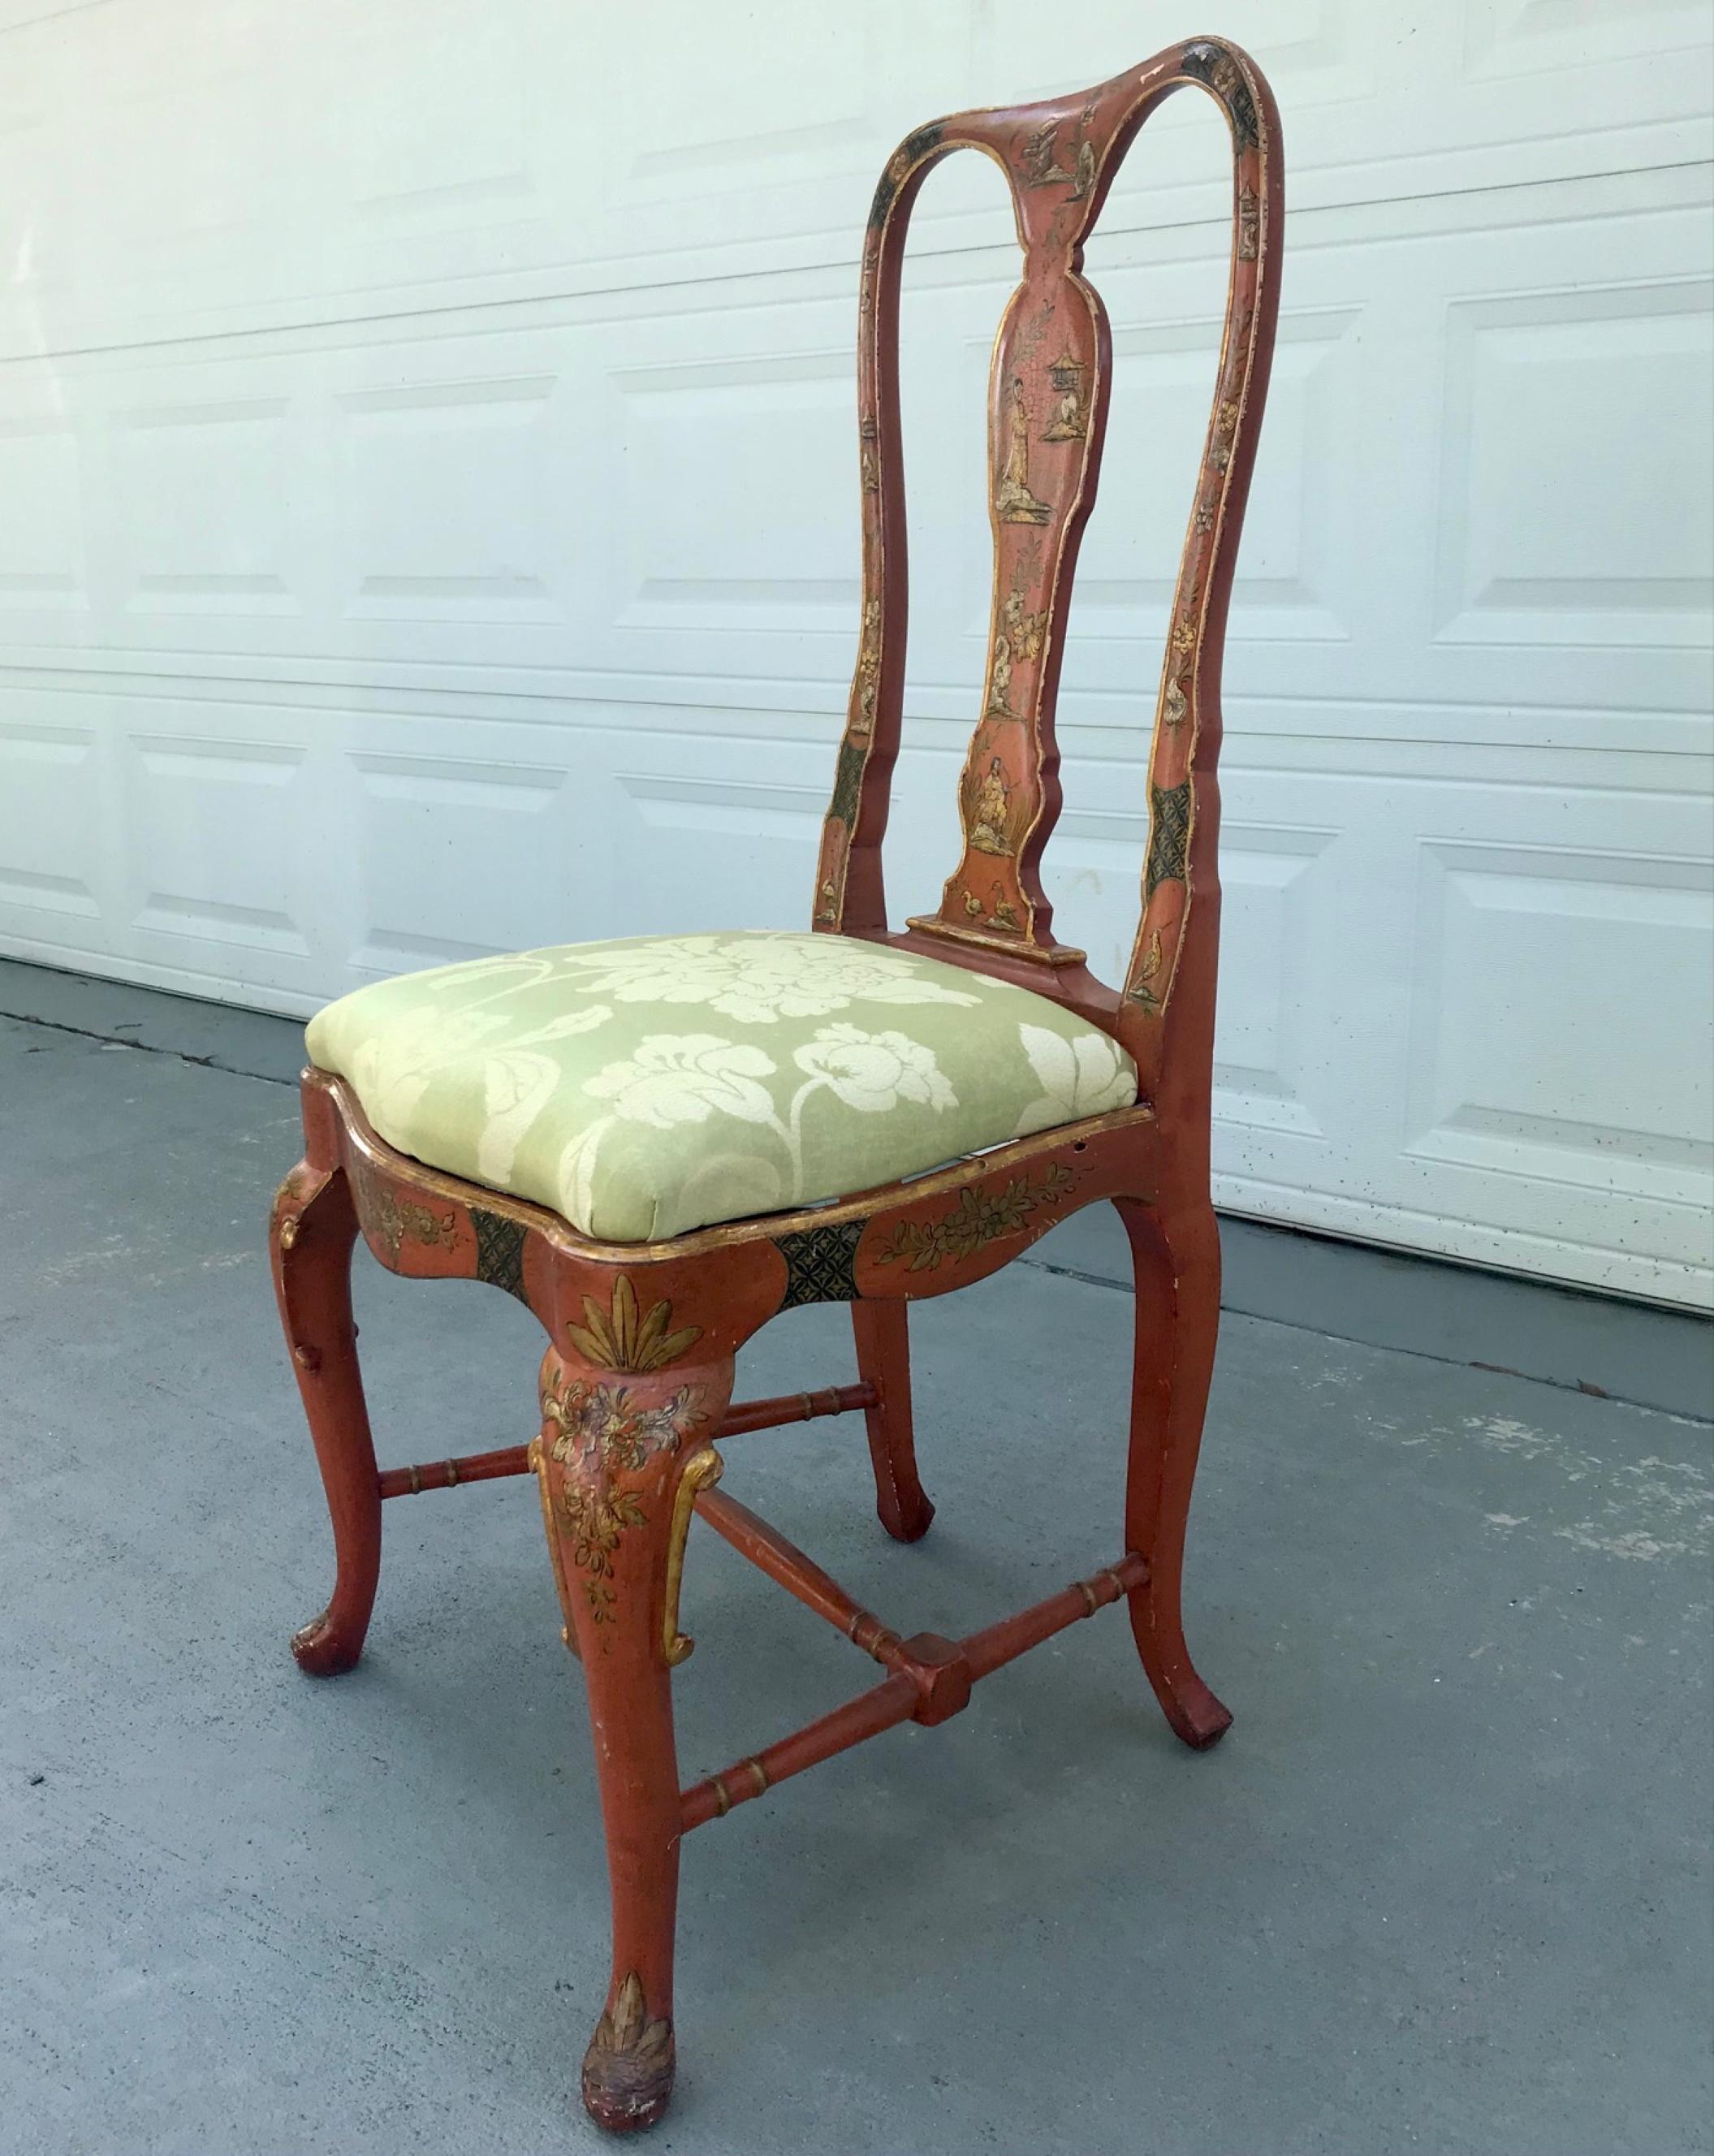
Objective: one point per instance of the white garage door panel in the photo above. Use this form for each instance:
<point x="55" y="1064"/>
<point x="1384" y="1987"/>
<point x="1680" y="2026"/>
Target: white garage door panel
<point x="428" y="447"/>
<point x="50" y="784"/>
<point x="324" y="159"/>
<point x="1564" y="1067"/>
<point x="1534" y="468"/>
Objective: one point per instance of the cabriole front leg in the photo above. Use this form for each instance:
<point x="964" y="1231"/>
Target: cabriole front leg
<point x="313" y="1228"/>
<point x="612" y="1455"/>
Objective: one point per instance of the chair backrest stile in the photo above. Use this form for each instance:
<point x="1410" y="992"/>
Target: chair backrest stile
<point x="1047" y="415"/>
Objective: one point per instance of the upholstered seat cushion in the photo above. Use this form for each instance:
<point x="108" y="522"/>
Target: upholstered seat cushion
<point x="644" y="1087"/>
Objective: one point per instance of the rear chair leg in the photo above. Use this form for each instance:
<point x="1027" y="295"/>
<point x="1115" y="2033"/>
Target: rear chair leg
<point x="883" y="1361"/>
<point x="1177" y="1261"/>
<point x="611" y="1457"/>
<point x="313" y="1228"/>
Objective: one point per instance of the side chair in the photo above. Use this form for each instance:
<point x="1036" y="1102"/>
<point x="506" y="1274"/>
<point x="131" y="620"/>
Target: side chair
<point x="657" y="1144"/>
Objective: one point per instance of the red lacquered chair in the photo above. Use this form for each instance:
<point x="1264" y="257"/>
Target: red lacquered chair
<point x="1110" y="1091"/>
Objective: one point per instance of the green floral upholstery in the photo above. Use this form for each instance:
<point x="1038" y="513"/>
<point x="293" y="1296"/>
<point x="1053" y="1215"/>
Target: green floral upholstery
<point x="647" y="1086"/>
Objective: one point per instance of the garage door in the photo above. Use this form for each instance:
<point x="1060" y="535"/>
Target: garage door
<point x="427" y="447"/>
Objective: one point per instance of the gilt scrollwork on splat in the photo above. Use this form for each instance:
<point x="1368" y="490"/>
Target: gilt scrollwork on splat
<point x="1045" y="407"/>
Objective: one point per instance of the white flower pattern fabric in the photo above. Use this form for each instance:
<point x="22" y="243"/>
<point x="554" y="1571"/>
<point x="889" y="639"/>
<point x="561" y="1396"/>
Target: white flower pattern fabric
<point x="759" y="980"/>
<point x="1083" y="1076"/>
<point x="685" y="1078"/>
<point x="873" y="1071"/>
<point x="645" y="1087"/>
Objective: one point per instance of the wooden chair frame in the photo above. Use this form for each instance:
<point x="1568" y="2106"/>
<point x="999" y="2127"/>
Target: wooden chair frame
<point x="636" y="1383"/>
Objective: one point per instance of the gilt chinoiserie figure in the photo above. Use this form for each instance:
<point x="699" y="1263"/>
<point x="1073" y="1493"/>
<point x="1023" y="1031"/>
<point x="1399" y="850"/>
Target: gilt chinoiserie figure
<point x="657" y="1144"/>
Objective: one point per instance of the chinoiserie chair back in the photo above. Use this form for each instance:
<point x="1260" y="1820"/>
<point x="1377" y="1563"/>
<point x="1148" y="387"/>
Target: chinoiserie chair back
<point x="1047" y="401"/>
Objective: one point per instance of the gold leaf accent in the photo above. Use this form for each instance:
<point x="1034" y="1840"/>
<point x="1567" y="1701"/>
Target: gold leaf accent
<point x="1070" y="420"/>
<point x="977" y="1218"/>
<point x="616" y="1339"/>
<point x="703" y="1468"/>
<point x="1026" y="633"/>
<point x="988" y="801"/>
<point x="291" y="1187"/>
<point x="866" y="687"/>
<point x="1141" y="991"/>
<point x="870" y="437"/>
<point x="1040" y="154"/>
<point x="602" y="1435"/>
<point x="393" y="1220"/>
<point x="1013" y="501"/>
<point x="626" y="2031"/>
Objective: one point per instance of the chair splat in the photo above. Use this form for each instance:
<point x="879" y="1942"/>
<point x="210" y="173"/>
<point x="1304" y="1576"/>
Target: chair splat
<point x="1046" y="413"/>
